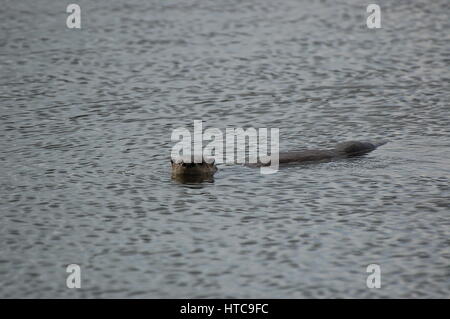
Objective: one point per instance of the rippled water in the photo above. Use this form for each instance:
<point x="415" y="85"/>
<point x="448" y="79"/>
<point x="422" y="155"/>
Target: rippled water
<point x="86" y="118"/>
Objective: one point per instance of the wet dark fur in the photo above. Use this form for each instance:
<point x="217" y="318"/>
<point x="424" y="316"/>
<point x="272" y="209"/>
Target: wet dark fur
<point x="205" y="170"/>
<point x="342" y="150"/>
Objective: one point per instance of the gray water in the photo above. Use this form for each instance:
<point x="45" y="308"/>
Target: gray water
<point x="86" y="120"/>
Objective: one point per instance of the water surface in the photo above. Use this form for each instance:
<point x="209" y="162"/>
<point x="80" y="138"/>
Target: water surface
<point x="86" y="118"/>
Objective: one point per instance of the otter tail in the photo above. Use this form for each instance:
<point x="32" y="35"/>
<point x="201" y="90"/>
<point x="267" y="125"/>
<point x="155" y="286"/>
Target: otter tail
<point x="356" y="148"/>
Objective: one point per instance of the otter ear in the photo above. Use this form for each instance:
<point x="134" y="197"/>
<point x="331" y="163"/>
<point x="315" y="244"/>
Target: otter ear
<point x="209" y="160"/>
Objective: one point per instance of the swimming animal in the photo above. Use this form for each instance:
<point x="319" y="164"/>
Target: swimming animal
<point x="183" y="171"/>
<point x="188" y="172"/>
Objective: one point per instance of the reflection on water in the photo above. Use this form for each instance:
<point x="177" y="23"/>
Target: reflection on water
<point x="86" y="119"/>
<point x="193" y="179"/>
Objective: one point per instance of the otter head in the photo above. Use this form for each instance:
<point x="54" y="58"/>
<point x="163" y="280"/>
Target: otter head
<point x="183" y="167"/>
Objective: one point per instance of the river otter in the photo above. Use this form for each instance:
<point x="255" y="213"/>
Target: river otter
<point x="187" y="172"/>
<point x="206" y="169"/>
